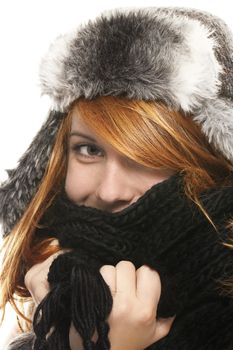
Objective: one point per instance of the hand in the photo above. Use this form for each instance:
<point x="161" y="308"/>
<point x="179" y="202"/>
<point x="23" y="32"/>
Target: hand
<point x="133" y="324"/>
<point x="36" y="282"/>
<point x="36" y="277"/>
<point x="135" y="298"/>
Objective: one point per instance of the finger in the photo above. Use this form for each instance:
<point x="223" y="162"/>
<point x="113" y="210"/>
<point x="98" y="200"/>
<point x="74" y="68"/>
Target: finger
<point x="126" y="278"/>
<point x="37" y="275"/>
<point x="148" y="286"/>
<point x="163" y="326"/>
<point x="41" y="291"/>
<point x="42" y="269"/>
<point x="47" y="262"/>
<point x="37" y="284"/>
<point x="108" y="273"/>
<point x="54" y="242"/>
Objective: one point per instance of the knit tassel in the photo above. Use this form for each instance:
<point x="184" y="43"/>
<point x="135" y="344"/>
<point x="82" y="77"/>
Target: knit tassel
<point x="78" y="295"/>
<point x="51" y="320"/>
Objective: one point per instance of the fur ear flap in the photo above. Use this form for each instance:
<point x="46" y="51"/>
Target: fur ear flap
<point x="17" y="191"/>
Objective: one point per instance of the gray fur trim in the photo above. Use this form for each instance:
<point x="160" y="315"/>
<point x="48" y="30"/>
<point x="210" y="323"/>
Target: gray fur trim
<point x="24" y="341"/>
<point x="143" y="54"/>
<point x="17" y="191"/>
<point x="182" y="57"/>
<point x="216" y="120"/>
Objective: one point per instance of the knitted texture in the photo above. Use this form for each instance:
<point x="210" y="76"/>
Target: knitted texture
<point x="164" y="230"/>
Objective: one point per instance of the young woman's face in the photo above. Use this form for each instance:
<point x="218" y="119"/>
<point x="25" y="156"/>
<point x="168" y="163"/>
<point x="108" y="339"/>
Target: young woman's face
<point x="99" y="176"/>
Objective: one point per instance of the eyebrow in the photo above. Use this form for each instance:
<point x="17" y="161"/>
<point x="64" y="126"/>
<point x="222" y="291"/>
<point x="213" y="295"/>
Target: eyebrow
<point x="76" y="133"/>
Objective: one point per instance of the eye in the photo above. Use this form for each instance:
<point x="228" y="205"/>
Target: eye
<point x="87" y="150"/>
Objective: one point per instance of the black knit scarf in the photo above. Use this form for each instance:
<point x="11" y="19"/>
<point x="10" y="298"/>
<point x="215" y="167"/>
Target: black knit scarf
<point x="164" y="230"/>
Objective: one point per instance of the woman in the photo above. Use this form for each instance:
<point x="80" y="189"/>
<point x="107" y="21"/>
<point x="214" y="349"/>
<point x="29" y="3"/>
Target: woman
<point x="126" y="192"/>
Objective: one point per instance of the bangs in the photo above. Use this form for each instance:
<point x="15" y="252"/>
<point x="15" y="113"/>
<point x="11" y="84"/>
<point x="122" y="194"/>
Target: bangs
<point x="137" y="129"/>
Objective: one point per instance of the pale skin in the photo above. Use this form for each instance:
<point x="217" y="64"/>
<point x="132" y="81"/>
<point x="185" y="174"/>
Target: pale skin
<point x="118" y="182"/>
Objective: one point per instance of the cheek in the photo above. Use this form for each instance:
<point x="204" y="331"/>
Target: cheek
<point x="155" y="177"/>
<point x="79" y="182"/>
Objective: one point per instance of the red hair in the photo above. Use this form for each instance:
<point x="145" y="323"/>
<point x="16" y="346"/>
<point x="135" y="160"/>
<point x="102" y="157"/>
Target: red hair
<point x="147" y="132"/>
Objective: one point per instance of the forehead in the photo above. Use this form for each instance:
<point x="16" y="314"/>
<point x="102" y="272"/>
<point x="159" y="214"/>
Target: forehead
<point x="78" y="123"/>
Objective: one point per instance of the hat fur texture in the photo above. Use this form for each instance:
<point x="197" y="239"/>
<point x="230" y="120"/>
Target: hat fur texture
<point x="181" y="57"/>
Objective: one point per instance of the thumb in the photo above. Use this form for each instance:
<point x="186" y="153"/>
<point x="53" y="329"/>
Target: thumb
<point x="163" y="326"/>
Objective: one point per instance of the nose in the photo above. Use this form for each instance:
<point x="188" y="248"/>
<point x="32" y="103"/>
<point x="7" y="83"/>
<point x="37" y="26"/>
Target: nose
<point x="116" y="189"/>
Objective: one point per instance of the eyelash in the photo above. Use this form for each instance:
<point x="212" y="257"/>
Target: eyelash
<point x="76" y="148"/>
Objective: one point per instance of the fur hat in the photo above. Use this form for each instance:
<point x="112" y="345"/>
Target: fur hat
<point x="181" y="57"/>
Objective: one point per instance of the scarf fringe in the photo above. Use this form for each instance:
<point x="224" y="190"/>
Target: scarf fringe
<point x="78" y="295"/>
